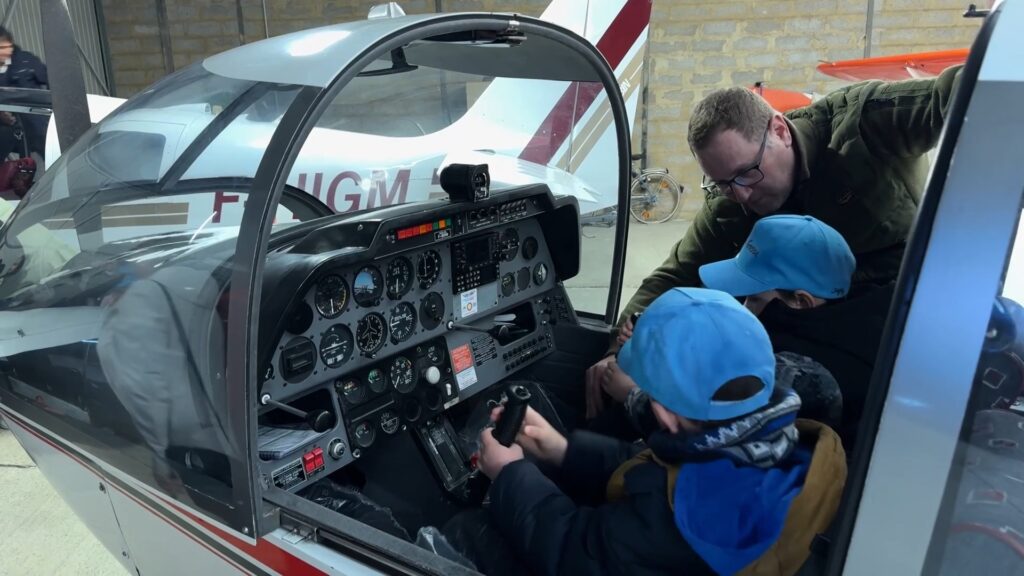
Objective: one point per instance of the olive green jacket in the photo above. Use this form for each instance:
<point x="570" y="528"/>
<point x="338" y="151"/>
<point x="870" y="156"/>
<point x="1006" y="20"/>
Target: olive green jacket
<point x="861" y="168"/>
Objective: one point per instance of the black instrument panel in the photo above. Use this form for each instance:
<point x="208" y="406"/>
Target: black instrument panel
<point x="368" y="310"/>
<point x="376" y="334"/>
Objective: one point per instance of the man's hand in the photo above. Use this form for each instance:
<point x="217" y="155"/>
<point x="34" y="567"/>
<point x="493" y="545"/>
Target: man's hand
<point x="617" y="383"/>
<point x="625" y="331"/>
<point x="595" y="402"/>
<point x="540" y="439"/>
<point x="493" y="456"/>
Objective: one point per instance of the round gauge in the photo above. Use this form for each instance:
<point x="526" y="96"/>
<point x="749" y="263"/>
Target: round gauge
<point x="530" y="247"/>
<point x="389" y="421"/>
<point x="435" y="353"/>
<point x="368" y="286"/>
<point x="540" y="273"/>
<point x="370" y="332"/>
<point x="508" y="285"/>
<point x="331" y="296"/>
<point x="377" y="380"/>
<point x="428" y="270"/>
<point x="523" y="278"/>
<point x="352" y="390"/>
<point x="336" y="345"/>
<point x="364" y="434"/>
<point x="403" y="322"/>
<point x="402" y="375"/>
<point x="398" y="278"/>
<point x="509" y="244"/>
<point x="431" y="310"/>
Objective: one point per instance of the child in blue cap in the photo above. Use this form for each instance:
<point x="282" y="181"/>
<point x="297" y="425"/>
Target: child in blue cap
<point x="732" y="483"/>
<point x="794" y="272"/>
<point x="797" y="259"/>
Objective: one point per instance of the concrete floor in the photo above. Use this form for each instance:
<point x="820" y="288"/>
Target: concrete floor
<point x="39" y="535"/>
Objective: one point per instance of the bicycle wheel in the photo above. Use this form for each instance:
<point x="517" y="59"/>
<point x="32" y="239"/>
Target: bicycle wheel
<point x="653" y="197"/>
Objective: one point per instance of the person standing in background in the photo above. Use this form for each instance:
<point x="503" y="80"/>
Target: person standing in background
<point x="21" y="69"/>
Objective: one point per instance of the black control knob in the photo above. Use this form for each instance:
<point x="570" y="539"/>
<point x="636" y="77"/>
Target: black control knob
<point x="512" y="418"/>
<point x="319" y="420"/>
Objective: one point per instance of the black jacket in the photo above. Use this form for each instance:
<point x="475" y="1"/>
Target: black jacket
<point x="843" y="336"/>
<point x="569" y="529"/>
<point x="26" y="70"/>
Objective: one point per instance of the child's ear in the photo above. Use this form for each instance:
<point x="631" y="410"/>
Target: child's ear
<point x="803" y="300"/>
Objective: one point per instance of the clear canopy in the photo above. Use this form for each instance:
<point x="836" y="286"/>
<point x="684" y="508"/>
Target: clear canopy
<point x="115" y="270"/>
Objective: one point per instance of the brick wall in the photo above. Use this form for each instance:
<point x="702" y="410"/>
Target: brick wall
<point x="199" y="28"/>
<point x="695" y="46"/>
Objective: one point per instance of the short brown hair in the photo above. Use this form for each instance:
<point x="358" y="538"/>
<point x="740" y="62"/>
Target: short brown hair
<point x="734" y="390"/>
<point x="738" y="389"/>
<point x="736" y="109"/>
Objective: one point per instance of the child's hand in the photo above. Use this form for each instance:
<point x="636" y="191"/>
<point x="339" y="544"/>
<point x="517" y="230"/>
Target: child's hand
<point x="617" y="383"/>
<point x="540" y="439"/>
<point x="493" y="456"/>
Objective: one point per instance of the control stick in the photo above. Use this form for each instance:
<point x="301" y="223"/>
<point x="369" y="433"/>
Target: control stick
<point x="318" y="420"/>
<point x="512" y="418"/>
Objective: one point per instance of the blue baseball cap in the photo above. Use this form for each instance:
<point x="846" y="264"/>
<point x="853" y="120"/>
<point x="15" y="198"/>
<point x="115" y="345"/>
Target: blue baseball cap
<point x="786" y="252"/>
<point x="691" y="341"/>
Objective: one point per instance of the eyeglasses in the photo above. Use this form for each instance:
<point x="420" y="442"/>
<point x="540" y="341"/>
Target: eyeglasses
<point x="746" y="177"/>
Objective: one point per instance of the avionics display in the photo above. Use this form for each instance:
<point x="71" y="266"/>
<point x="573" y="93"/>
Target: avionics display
<point x="476" y="262"/>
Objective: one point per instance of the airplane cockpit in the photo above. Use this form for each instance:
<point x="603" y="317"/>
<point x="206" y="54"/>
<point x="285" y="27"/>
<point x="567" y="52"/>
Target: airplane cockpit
<point x="248" y="283"/>
<point x="405" y="330"/>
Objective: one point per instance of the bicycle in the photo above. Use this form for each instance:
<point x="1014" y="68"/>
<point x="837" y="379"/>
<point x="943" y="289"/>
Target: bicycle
<point x="654" y="196"/>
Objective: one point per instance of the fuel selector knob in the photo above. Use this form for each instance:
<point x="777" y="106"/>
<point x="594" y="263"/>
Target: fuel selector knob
<point x="432" y="375"/>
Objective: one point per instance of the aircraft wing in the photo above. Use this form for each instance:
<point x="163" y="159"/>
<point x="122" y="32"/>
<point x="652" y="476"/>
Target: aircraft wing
<point x="784" y="100"/>
<point x="895" y="67"/>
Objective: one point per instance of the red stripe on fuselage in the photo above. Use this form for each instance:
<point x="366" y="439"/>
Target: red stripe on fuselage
<point x="266" y="553"/>
<point x="578" y="97"/>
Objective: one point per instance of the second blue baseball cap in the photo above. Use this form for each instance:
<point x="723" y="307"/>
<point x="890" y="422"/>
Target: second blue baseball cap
<point x="689" y="343"/>
<point x="786" y="252"/>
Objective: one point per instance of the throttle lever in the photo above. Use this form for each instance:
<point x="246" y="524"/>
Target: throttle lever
<point x="318" y="420"/>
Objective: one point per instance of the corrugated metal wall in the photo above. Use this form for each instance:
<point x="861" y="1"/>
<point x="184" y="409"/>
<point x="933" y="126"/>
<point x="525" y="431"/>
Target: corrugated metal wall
<point x="21" y="17"/>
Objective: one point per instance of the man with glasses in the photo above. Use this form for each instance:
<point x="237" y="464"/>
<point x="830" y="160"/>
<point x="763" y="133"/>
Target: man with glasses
<point x="856" y="160"/>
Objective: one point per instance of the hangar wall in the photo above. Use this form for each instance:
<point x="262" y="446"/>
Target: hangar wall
<point x="695" y="46"/>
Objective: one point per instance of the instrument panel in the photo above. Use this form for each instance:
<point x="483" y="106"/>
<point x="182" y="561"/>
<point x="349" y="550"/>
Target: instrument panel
<point x="359" y="313"/>
<point x="453" y="307"/>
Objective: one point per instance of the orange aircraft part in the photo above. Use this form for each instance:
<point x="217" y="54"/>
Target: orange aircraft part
<point x="896" y="67"/>
<point x="783" y="100"/>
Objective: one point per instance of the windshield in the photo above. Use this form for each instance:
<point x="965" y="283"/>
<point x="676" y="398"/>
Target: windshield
<point x="113" y="276"/>
<point x="384" y="139"/>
